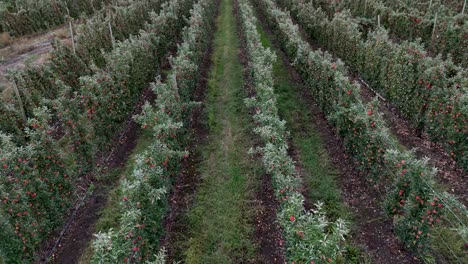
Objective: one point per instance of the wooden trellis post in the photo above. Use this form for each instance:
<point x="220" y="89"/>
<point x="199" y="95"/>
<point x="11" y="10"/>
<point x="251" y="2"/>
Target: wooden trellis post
<point x="110" y="29"/>
<point x="434" y="28"/>
<point x="71" y="31"/>
<point x="20" y="101"/>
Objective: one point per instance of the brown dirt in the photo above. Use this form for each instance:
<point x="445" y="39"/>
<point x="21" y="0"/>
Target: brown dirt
<point x="20" y="49"/>
<point x="294" y="154"/>
<point x="372" y="229"/>
<point x="13" y="62"/>
<point x="18" y="54"/>
<point x="268" y="232"/>
<point x="19" y="62"/>
<point x="449" y="173"/>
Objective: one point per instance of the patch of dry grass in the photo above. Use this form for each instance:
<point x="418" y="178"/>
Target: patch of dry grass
<point x="14" y="48"/>
<point x="24" y="44"/>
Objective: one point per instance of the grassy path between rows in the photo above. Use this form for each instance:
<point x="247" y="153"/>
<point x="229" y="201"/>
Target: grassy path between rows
<point x="220" y="228"/>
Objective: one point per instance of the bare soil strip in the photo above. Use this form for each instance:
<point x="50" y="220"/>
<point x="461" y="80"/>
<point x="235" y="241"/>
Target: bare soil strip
<point x="20" y="49"/>
<point x="13" y="62"/>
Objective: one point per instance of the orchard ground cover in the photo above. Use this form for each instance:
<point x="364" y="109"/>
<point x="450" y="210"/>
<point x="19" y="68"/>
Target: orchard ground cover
<point x="26" y="52"/>
<point x="231" y="200"/>
<point x="220" y="220"/>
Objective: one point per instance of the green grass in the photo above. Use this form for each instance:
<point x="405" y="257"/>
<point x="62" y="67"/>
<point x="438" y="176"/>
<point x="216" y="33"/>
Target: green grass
<point x="319" y="174"/>
<point x="220" y="221"/>
<point x="30" y="59"/>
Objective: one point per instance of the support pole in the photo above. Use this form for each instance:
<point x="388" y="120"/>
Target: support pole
<point x="71" y="31"/>
<point x="110" y="30"/>
<point x="20" y="101"/>
<point x="434" y="28"/>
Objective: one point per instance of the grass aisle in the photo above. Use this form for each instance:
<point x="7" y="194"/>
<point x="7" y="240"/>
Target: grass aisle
<point x="219" y="222"/>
